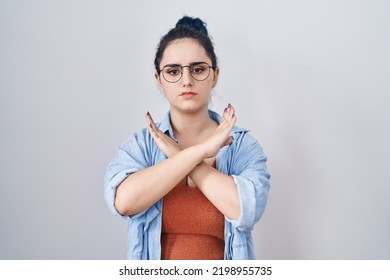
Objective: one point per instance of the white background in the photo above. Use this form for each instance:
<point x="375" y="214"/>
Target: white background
<point x="310" y="79"/>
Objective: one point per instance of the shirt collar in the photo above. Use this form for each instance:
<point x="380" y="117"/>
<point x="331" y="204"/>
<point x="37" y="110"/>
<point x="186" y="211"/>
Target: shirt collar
<point x="166" y="127"/>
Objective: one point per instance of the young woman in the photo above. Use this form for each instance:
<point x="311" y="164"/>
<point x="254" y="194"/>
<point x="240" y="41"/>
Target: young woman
<point x="194" y="185"/>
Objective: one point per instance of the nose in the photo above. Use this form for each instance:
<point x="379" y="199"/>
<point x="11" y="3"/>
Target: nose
<point x="186" y="78"/>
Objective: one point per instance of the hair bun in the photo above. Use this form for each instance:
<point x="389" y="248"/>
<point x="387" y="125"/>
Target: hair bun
<point x="194" y="23"/>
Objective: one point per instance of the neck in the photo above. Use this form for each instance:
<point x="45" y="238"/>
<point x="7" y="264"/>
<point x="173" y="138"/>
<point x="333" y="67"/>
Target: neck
<point x="192" y="124"/>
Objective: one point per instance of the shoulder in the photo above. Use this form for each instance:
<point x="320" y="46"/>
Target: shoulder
<point x="243" y="136"/>
<point x="245" y="146"/>
<point x="140" y="142"/>
<point x="138" y="137"/>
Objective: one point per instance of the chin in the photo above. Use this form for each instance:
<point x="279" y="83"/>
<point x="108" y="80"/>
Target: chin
<point x="191" y="108"/>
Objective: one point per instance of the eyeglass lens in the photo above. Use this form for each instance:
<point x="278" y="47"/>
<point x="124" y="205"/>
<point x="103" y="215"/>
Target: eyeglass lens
<point x="173" y="73"/>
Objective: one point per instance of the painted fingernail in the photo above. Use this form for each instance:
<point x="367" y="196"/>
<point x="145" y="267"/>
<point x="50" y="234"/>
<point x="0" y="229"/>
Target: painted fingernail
<point x="230" y="105"/>
<point x="224" y="111"/>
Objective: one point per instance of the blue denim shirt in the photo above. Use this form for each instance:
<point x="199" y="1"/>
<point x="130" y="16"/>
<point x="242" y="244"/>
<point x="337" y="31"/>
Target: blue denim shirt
<point x="243" y="159"/>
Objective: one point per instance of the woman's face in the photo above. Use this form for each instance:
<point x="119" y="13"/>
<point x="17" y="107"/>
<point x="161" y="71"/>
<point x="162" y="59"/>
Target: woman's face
<point x="187" y="94"/>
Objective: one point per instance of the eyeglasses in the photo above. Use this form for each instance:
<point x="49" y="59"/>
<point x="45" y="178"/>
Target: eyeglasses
<point x="200" y="71"/>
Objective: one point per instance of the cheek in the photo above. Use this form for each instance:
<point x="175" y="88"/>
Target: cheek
<point x="168" y="89"/>
<point x="210" y="85"/>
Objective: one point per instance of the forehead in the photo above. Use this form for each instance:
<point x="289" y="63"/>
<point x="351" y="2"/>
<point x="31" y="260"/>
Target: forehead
<point x="184" y="51"/>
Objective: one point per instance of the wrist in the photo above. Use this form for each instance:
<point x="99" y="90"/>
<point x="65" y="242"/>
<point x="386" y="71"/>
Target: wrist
<point x="200" y="152"/>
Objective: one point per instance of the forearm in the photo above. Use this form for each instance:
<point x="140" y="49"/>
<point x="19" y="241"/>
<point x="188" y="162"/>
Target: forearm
<point x="219" y="188"/>
<point x="142" y="189"/>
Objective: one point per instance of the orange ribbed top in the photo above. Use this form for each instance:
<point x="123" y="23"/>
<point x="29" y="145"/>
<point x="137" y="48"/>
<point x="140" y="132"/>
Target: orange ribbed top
<point x="192" y="228"/>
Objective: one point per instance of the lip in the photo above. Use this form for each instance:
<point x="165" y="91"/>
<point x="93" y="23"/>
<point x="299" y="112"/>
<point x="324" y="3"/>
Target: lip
<point x="187" y="94"/>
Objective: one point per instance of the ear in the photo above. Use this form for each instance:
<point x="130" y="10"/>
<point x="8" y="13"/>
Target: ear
<point x="216" y="74"/>
<point x="158" y="79"/>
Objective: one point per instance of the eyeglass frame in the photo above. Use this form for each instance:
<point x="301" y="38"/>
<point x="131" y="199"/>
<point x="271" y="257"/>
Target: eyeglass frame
<point x="189" y="66"/>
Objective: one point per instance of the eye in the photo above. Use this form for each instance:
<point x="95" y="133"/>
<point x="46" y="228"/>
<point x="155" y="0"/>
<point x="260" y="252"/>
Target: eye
<point x="173" y="71"/>
<point x="198" y="69"/>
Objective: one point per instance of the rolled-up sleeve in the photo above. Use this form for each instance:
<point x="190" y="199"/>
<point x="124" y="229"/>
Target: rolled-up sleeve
<point x="251" y="177"/>
<point x="129" y="158"/>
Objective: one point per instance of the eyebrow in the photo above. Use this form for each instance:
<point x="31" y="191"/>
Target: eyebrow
<point x="180" y="65"/>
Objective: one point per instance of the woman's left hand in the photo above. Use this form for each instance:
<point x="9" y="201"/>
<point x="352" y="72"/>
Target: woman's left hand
<point x="163" y="141"/>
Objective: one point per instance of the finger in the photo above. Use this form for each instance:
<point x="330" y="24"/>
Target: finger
<point x="228" y="116"/>
<point x="230" y="111"/>
<point x="153" y="129"/>
<point x="232" y="115"/>
<point x="149" y="118"/>
<point x="228" y="141"/>
<point x="225" y="114"/>
<point x="234" y="118"/>
<point x="152" y="124"/>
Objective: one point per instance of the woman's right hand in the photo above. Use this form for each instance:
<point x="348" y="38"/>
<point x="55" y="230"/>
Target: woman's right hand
<point x="163" y="141"/>
<point x="221" y="136"/>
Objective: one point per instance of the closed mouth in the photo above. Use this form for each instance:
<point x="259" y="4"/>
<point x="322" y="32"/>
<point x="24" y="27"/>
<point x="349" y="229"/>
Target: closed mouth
<point x="188" y="93"/>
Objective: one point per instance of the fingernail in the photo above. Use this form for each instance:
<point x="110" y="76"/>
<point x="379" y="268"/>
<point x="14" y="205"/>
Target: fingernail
<point x="230" y="105"/>
<point x="148" y="113"/>
<point x="224" y="111"/>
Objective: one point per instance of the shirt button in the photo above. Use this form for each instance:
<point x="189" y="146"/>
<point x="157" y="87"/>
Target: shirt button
<point x="229" y="234"/>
